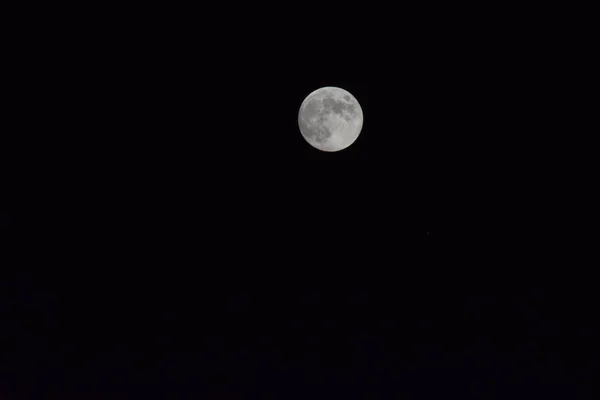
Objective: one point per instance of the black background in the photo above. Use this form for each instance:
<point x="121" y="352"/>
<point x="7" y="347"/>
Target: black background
<point x="176" y="237"/>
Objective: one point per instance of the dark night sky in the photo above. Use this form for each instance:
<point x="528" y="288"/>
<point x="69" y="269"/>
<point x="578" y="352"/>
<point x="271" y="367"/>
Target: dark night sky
<point x="176" y="236"/>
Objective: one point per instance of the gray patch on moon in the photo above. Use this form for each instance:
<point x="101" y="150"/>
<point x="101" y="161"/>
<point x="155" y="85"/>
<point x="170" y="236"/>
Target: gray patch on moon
<point x="337" y="106"/>
<point x="347" y="116"/>
<point x="312" y="108"/>
<point x="315" y="130"/>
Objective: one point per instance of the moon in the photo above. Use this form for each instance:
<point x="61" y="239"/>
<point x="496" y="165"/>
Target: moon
<point x="330" y="119"/>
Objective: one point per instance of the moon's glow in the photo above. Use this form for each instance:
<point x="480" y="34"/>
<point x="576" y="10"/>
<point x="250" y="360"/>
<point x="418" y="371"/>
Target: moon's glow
<point x="330" y="119"/>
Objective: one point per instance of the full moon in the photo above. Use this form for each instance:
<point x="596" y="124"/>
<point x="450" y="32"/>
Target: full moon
<point x="330" y="119"/>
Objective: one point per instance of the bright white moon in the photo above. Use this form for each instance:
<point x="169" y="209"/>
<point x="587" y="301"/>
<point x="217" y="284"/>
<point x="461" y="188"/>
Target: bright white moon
<point x="330" y="119"/>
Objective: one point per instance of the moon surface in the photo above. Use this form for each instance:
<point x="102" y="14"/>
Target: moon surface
<point x="330" y="119"/>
